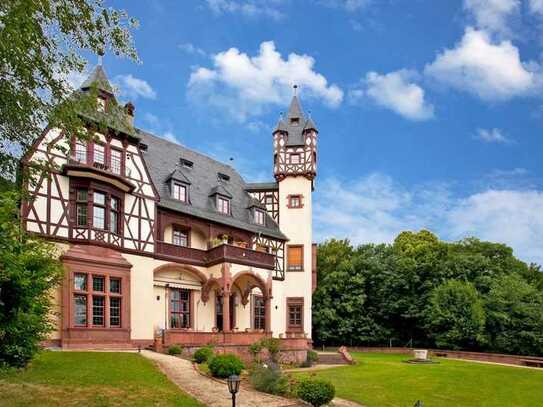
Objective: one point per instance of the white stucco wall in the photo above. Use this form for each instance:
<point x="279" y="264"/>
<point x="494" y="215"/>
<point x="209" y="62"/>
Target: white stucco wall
<point x="296" y="224"/>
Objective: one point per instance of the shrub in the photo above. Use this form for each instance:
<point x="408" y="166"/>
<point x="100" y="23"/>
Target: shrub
<point x="255" y="348"/>
<point x="312" y="356"/>
<point x="29" y="271"/>
<point x="202" y="355"/>
<point x="175" y="350"/>
<point x="269" y="379"/>
<point x="225" y="365"/>
<point x="272" y="345"/>
<point x="316" y="392"/>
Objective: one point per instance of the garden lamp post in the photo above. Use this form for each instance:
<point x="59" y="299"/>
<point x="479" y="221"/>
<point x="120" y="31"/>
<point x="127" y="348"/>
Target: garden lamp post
<point x="233" y="387"/>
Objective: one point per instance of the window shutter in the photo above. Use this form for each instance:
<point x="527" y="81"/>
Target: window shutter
<point x="295" y="256"/>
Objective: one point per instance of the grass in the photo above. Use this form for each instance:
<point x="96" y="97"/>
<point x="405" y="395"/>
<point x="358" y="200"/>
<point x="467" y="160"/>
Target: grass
<point x="382" y="380"/>
<point x="91" y="379"/>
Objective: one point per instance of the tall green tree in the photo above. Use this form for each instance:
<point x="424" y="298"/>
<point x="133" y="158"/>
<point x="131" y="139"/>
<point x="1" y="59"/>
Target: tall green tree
<point x="515" y="316"/>
<point x="456" y="316"/>
<point x="29" y="271"/>
<point x="469" y="294"/>
<point x="41" y="43"/>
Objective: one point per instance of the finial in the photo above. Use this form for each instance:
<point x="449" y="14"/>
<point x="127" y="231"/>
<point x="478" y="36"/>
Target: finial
<point x="100" y="57"/>
<point x="295" y="89"/>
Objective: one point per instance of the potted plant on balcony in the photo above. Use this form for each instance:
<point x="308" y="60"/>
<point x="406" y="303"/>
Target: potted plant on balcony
<point x="225" y="238"/>
<point x="215" y="242"/>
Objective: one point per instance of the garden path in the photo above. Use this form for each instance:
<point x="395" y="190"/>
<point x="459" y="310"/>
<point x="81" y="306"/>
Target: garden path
<point x="214" y="393"/>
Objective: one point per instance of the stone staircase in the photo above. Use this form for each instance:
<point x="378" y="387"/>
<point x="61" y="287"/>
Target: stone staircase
<point x="331" y="358"/>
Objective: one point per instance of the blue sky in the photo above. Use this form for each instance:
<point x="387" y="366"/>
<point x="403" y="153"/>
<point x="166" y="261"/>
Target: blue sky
<point x="430" y="112"/>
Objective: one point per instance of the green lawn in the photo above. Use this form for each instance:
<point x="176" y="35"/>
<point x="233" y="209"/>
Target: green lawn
<point x="382" y="380"/>
<point x="90" y="379"/>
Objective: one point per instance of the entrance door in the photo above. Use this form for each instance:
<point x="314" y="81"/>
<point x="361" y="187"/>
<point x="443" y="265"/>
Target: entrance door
<point x="219" y="313"/>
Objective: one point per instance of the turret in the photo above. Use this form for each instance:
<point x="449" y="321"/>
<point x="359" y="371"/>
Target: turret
<point x="295" y="144"/>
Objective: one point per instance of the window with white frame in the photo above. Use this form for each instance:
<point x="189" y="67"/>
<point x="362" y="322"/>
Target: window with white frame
<point x="259" y="217"/>
<point x="80" y="153"/>
<point x="116" y="161"/>
<point x="99" y="153"/>
<point x="179" y="192"/>
<point x="180" y="237"/>
<point x="223" y="205"/>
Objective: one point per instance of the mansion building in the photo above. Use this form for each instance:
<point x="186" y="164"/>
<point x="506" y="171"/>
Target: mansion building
<point x="163" y="245"/>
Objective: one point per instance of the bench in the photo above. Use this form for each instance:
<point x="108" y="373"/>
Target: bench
<point x="532" y="362"/>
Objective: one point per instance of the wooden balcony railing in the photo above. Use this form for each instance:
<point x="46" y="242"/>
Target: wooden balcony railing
<point x="221" y="254"/>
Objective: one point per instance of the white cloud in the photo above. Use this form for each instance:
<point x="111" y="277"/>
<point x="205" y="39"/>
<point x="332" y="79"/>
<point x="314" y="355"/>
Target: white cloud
<point x="492" y="71"/>
<point x="493" y="15"/>
<point x="248" y="8"/>
<point x="492" y="136"/>
<point x="244" y="86"/>
<point x="397" y="91"/>
<point x="536" y="6"/>
<point x="512" y="217"/>
<point x="133" y="87"/>
<point x="169" y="136"/>
<point x="75" y="79"/>
<point x="349" y="5"/>
<point x="376" y="208"/>
<point x="190" y="48"/>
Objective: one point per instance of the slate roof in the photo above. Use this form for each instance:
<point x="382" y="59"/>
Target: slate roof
<point x="163" y="157"/>
<point x="98" y="77"/>
<point x="296" y="127"/>
<point x="262" y="186"/>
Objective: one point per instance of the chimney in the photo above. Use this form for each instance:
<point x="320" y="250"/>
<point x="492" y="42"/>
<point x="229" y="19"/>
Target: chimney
<point x="129" y="110"/>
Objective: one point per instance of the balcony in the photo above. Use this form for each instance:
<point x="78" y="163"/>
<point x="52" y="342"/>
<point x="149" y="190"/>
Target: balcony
<point x="221" y="254"/>
<point x="97" y="171"/>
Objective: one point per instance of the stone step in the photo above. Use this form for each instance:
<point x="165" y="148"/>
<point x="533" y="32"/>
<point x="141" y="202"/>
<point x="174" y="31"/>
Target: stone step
<point x="330" y="358"/>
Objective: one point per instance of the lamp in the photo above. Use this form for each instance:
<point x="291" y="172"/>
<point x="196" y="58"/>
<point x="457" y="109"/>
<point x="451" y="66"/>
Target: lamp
<point x="233" y="387"/>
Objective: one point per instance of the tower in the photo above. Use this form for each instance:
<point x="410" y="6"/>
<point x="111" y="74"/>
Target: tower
<point x="295" y="167"/>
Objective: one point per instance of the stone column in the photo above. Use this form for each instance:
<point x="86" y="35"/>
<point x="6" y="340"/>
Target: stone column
<point x="226" y="311"/>
<point x="267" y="314"/>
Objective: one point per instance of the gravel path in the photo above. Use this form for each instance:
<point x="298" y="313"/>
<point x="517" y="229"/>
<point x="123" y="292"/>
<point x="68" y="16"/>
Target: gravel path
<point x="210" y="392"/>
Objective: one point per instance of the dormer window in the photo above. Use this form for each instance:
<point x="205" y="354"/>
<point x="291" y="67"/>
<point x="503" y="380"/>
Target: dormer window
<point x="294" y="121"/>
<point x="187" y="163"/>
<point x="259" y="216"/>
<point x="100" y="104"/>
<point x="223" y="177"/>
<point x="223" y="205"/>
<point x="179" y="192"/>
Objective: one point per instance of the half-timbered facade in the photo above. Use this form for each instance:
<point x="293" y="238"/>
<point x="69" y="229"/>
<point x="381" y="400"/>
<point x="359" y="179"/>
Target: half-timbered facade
<point x="163" y="245"/>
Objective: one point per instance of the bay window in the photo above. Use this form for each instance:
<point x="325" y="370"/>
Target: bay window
<point x="114" y="215"/>
<point x="99" y="210"/>
<point x="82" y="207"/>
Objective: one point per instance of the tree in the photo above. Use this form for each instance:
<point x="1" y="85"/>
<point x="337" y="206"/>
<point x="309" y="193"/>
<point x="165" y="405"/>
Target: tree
<point x="436" y="293"/>
<point x="29" y="271"/>
<point x="339" y="302"/>
<point x="40" y="45"/>
<point x="456" y="316"/>
<point x="515" y="316"/>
